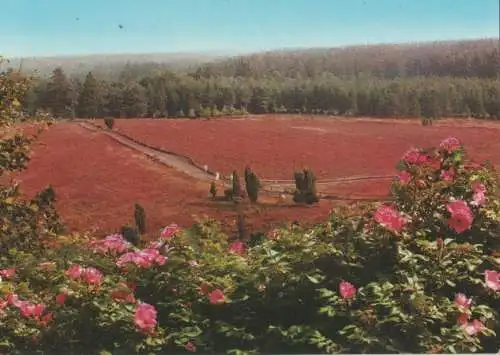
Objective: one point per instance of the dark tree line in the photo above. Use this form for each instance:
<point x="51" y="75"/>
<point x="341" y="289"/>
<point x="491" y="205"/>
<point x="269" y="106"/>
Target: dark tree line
<point x="289" y="85"/>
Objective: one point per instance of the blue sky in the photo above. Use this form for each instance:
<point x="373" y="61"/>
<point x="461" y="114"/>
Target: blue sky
<point x="50" y="27"/>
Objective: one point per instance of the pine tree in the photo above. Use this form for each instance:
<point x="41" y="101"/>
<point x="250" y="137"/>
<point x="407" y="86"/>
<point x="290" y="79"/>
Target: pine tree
<point x="59" y="94"/>
<point x="89" y="100"/>
<point x="133" y="103"/>
<point x="252" y="185"/>
<point x="236" y="184"/>
<point x="140" y="218"/>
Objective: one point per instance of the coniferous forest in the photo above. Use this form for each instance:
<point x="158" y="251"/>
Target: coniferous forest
<point x="441" y="79"/>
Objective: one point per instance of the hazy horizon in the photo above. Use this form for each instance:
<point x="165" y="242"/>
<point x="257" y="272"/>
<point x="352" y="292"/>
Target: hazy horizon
<point x="243" y="52"/>
<point x="43" y="28"/>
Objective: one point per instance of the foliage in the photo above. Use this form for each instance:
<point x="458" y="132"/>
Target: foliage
<point x="228" y="193"/>
<point x="440" y="80"/>
<point x="90" y="99"/>
<point x="59" y="95"/>
<point x="109" y="122"/>
<point x="24" y="224"/>
<point x="140" y="218"/>
<point x="252" y="185"/>
<point x="131" y="234"/>
<point x="213" y="189"/>
<point x="236" y="185"/>
<point x="305" y="187"/>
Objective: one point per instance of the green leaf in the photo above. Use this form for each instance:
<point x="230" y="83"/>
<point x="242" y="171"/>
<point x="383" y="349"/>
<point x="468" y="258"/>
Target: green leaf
<point x="313" y="280"/>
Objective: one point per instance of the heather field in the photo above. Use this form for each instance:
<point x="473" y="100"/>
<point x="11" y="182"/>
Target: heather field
<point x="275" y="146"/>
<point x="97" y="181"/>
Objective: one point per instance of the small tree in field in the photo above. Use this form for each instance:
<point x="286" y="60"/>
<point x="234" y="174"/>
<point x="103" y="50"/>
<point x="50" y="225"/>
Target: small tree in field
<point x="109" y="122"/>
<point x="236" y="184"/>
<point x="140" y="218"/>
<point x="305" y="187"/>
<point x="252" y="184"/>
<point x="213" y="189"/>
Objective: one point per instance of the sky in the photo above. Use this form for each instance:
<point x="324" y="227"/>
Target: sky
<point x="74" y="27"/>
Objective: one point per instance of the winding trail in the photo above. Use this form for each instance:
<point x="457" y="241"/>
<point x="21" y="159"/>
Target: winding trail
<point x="189" y="167"/>
<point x="170" y="160"/>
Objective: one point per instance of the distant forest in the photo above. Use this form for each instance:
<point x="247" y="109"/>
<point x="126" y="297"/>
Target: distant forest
<point x="441" y="79"/>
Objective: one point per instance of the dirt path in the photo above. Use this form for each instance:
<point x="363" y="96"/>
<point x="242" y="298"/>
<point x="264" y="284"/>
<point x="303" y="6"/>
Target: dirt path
<point x="168" y="159"/>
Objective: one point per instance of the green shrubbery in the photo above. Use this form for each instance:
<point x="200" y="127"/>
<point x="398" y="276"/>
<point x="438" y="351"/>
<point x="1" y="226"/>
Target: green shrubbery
<point x="109" y="122"/>
<point x="305" y="187"/>
<point x="252" y="185"/>
<point x="414" y="276"/>
<point x="213" y="189"/>
<point x="140" y="218"/>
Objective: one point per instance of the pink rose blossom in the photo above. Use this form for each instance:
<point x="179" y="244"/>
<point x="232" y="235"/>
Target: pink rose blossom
<point x="92" y="276"/>
<point x="145" y="317"/>
<point x="450" y="144"/>
<point x="144" y="258"/>
<point x="479" y="190"/>
<point x="74" y="271"/>
<point x="492" y="279"/>
<point x="169" y="231"/>
<point x="8" y="273"/>
<point x="462" y="319"/>
<point x="461" y="216"/>
<point x="478" y="187"/>
<point x="237" y="248"/>
<point x="404" y="177"/>
<point x="347" y="290"/>
<point x="28" y="309"/>
<point x="123" y="293"/>
<point x="115" y="244"/>
<point x="416" y="157"/>
<point x="462" y="301"/>
<point x="217" y="297"/>
<point x="13" y="300"/>
<point x="391" y="219"/>
<point x="447" y="175"/>
<point x="474" y="327"/>
<point x="61" y="298"/>
<point x="190" y="347"/>
<point x="478" y="199"/>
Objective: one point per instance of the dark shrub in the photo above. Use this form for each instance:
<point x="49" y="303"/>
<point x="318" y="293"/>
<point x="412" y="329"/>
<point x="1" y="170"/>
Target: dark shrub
<point x="305" y="187"/>
<point x="131" y="234"/>
<point x="140" y="218"/>
<point x="109" y="122"/>
<point x="252" y="184"/>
